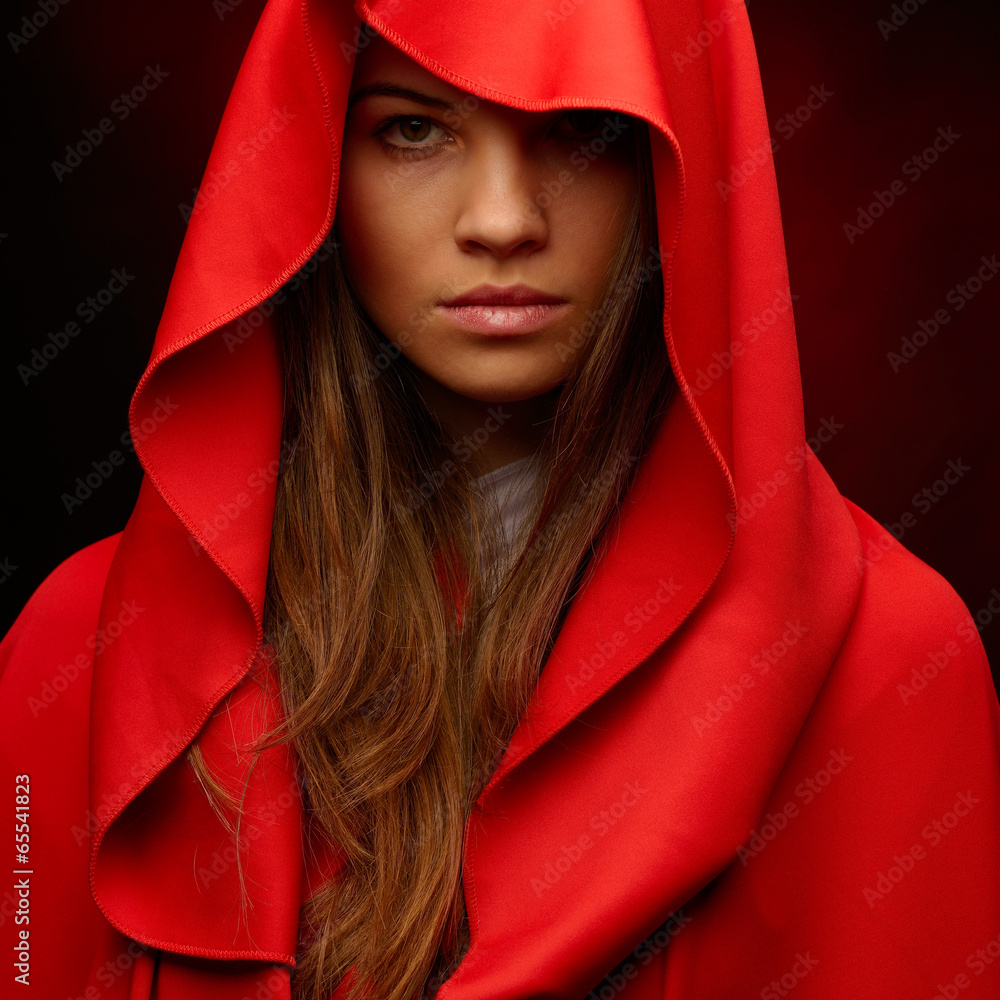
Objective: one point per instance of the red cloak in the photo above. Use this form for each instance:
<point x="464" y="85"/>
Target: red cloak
<point x="763" y="755"/>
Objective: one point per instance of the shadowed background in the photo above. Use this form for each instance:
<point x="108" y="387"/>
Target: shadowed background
<point x="857" y="94"/>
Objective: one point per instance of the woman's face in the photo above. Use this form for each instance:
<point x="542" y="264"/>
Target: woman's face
<point x="442" y="193"/>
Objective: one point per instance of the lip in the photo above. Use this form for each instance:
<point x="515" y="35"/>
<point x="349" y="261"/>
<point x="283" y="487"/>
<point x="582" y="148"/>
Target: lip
<point x="503" y="295"/>
<point x="505" y="320"/>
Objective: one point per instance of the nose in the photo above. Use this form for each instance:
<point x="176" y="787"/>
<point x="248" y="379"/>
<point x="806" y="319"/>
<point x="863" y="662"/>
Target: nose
<point x="498" y="210"/>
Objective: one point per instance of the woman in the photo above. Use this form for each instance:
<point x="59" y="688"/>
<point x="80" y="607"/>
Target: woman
<point x="339" y="714"/>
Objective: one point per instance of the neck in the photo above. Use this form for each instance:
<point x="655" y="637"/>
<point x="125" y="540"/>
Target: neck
<point x="491" y="433"/>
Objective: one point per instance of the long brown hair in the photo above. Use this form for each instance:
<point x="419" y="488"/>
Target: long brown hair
<point x="404" y="672"/>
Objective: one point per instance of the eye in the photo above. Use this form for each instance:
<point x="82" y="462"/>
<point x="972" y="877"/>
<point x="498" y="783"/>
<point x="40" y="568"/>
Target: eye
<point x="406" y="135"/>
<point x="583" y="121"/>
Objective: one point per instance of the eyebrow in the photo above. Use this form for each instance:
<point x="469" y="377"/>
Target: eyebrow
<point x="385" y="89"/>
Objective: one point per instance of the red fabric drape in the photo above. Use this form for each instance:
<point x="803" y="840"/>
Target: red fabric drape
<point x="763" y="752"/>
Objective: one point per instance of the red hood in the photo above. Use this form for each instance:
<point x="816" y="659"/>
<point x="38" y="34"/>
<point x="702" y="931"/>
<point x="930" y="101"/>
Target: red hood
<point x="711" y="591"/>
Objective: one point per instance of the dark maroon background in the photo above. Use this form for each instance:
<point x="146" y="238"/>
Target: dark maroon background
<point x="856" y="302"/>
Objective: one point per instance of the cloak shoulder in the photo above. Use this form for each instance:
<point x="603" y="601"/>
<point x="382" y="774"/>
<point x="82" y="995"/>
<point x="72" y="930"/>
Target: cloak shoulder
<point x="46" y="661"/>
<point x="874" y="859"/>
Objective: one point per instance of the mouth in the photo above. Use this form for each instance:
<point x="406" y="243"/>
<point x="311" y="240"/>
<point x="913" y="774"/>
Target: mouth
<point x="503" y="295"/>
<point x="501" y="310"/>
<point x="505" y="320"/>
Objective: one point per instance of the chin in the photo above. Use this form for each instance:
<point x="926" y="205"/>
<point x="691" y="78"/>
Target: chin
<point x="506" y="393"/>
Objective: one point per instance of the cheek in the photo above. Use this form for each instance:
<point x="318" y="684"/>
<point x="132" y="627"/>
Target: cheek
<point x="593" y="218"/>
<point x="380" y="240"/>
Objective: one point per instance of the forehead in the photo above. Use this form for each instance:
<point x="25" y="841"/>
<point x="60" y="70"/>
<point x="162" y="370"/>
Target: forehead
<point x="380" y="61"/>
